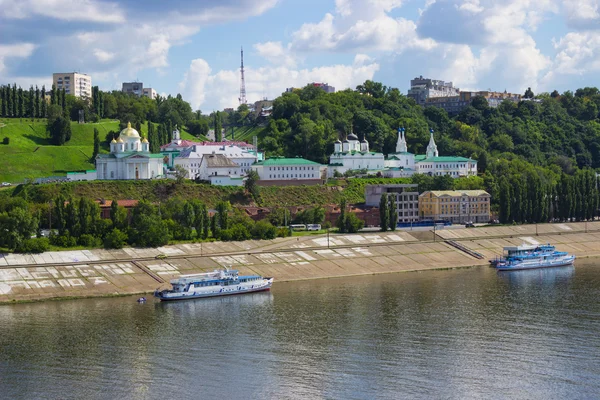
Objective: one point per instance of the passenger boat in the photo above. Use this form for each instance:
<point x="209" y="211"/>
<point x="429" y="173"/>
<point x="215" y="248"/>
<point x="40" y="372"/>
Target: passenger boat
<point x="530" y="257"/>
<point x="217" y="283"/>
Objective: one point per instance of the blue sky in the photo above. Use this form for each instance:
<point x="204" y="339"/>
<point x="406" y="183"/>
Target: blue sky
<point x="192" y="47"/>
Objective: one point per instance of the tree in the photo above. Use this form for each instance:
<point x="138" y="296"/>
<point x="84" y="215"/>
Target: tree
<point x="96" y="144"/>
<point x="554" y="94"/>
<point x="60" y="131"/>
<point x="251" y="185"/>
<point x="218" y="127"/>
<point x="393" y="213"/>
<point x="44" y="109"/>
<point x="384" y="215"/>
<point x="528" y="93"/>
<point x="115" y="239"/>
<point x="223" y="214"/>
<point x="37" y="104"/>
<point x="180" y="173"/>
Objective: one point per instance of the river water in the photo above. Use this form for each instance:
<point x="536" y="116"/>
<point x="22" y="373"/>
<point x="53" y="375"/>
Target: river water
<point x="461" y="334"/>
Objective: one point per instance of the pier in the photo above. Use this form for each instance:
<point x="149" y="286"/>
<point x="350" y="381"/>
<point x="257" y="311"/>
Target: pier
<point x="98" y="272"/>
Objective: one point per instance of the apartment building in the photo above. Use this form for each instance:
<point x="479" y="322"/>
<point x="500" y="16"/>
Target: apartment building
<point x="135" y="88"/>
<point x="406" y="199"/>
<point x="149" y="92"/>
<point x="455" y="104"/>
<point x="456" y="206"/>
<point x="74" y="83"/>
<point x="422" y="89"/>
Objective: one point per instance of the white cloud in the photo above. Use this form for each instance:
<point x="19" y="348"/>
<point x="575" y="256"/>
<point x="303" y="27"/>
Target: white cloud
<point x="20" y="50"/>
<point x="578" y="54"/>
<point x="103" y="56"/>
<point x="583" y="13"/>
<point x="276" y="53"/>
<point x="221" y="90"/>
<point x="67" y="10"/>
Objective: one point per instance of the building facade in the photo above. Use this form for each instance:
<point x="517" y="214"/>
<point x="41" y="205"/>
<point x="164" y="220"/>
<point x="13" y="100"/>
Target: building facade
<point x="406" y="199"/>
<point x="149" y="92"/>
<point x="455" y="104"/>
<point x="129" y="158"/>
<point x="326" y="87"/>
<point x="403" y="164"/>
<point x="423" y="88"/>
<point x="289" y="171"/>
<point x="135" y="88"/>
<point x="455" y="206"/>
<point x="354" y="155"/>
<point x="76" y="84"/>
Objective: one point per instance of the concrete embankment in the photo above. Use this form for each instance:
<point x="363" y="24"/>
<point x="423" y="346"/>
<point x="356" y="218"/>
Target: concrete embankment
<point x="120" y="272"/>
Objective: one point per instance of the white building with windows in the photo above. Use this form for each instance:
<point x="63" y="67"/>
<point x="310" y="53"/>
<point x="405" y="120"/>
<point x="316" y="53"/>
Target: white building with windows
<point x="129" y="158"/>
<point x="76" y="84"/>
<point x="354" y="155"/>
<point x="191" y="159"/>
<point x="289" y="171"/>
<point x="404" y="164"/>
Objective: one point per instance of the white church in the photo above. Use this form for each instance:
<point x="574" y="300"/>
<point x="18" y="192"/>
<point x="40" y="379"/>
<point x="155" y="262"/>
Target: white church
<point x="129" y="158"/>
<point x="404" y="164"/>
<point x="352" y="154"/>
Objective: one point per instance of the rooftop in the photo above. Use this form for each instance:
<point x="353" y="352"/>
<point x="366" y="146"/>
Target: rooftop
<point x="219" y="161"/>
<point x="286" y="161"/>
<point x="423" y="158"/>
<point x="456" y="193"/>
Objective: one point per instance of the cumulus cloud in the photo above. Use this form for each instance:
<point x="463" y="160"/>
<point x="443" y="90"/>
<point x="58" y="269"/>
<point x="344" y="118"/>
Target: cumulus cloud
<point x="275" y="53"/>
<point x="360" y="26"/>
<point x="91" y="35"/>
<point x="220" y="90"/>
<point x="582" y="14"/>
<point x="19" y="50"/>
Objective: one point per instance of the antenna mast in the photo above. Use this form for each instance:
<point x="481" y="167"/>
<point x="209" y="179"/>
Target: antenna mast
<point x="242" y="97"/>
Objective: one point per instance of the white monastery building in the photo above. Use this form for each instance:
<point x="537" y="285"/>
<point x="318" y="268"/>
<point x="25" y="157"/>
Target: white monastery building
<point x="405" y="164"/>
<point x="280" y="171"/>
<point x="129" y="158"/>
<point x="352" y="154"/>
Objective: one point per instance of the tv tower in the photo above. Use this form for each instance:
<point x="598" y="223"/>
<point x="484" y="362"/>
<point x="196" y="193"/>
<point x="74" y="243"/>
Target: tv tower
<point x="242" y="97"/>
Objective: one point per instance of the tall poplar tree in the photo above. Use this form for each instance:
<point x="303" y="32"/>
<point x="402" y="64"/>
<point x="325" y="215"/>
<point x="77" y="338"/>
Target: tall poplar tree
<point x="384" y="215"/>
<point x="44" y="110"/>
<point x="96" y="144"/>
<point x="31" y="111"/>
<point x="37" y="101"/>
<point x="393" y="213"/>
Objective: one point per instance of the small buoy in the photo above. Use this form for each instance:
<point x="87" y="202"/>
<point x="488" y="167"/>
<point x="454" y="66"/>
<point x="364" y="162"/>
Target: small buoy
<point x="141" y="300"/>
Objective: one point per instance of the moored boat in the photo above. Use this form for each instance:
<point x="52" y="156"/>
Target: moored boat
<point x="530" y="257"/>
<point x="217" y="283"/>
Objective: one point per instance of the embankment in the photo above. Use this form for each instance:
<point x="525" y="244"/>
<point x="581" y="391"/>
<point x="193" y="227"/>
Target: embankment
<point x="87" y="273"/>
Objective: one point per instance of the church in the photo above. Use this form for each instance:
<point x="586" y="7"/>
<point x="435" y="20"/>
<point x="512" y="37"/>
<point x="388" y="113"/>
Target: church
<point x="354" y="155"/>
<point x="129" y="158"/>
<point x="404" y="164"/>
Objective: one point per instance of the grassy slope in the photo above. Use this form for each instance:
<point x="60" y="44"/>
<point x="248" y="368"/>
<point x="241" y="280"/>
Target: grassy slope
<point x="30" y="154"/>
<point x="245" y="133"/>
<point x="272" y="196"/>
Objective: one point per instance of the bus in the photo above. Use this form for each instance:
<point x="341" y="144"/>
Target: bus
<point x="313" y="227"/>
<point x="298" y="227"/>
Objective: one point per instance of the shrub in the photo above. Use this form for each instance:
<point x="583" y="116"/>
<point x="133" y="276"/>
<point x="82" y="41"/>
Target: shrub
<point x="283" y="232"/>
<point x="115" y="239"/>
<point x="264" y="230"/>
<point x="37" y="245"/>
<point x="88" y="240"/>
<point x="64" y="240"/>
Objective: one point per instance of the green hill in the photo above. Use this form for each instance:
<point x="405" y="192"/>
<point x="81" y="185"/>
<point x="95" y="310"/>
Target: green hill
<point x="29" y="153"/>
<point x="246" y="133"/>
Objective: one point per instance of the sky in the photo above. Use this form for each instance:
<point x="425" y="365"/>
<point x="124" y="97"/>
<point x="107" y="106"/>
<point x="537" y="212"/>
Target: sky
<point x="193" y="47"/>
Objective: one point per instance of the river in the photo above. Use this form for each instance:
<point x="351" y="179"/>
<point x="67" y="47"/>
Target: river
<point x="459" y="334"/>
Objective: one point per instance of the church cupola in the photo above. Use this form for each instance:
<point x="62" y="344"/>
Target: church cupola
<point x="176" y="136"/>
<point x="364" y="146"/>
<point x="337" y="146"/>
<point x="113" y="146"/>
<point x="401" y="146"/>
<point x="120" y="146"/>
<point x="432" y="150"/>
<point x="145" y="145"/>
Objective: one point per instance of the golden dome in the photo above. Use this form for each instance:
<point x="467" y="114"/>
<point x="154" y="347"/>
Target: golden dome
<point x="129" y="132"/>
<point x="120" y="140"/>
<point x="144" y="140"/>
<point x="113" y="141"/>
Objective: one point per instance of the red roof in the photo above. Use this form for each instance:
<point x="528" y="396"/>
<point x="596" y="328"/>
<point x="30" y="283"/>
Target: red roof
<point x="122" y="203"/>
<point x="189" y="143"/>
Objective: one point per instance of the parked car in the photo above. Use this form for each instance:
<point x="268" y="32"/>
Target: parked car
<point x="161" y="256"/>
<point x="5" y="184"/>
<point x="469" y="225"/>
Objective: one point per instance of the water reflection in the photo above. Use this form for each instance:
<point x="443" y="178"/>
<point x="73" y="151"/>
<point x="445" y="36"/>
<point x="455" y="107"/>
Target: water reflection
<point x="539" y="276"/>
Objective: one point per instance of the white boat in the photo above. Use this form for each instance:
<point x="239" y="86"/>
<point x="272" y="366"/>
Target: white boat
<point x="530" y="257"/>
<point x="217" y="283"/>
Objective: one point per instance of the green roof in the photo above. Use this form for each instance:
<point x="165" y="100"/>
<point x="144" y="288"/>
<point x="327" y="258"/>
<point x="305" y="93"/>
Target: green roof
<point x="274" y="161"/>
<point x="353" y="152"/>
<point x="444" y="159"/>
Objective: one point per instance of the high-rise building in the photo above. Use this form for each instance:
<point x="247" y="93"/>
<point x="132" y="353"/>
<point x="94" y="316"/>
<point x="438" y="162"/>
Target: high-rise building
<point x="423" y="88"/>
<point x="149" y="92"/>
<point x="133" y="88"/>
<point x="76" y="84"/>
